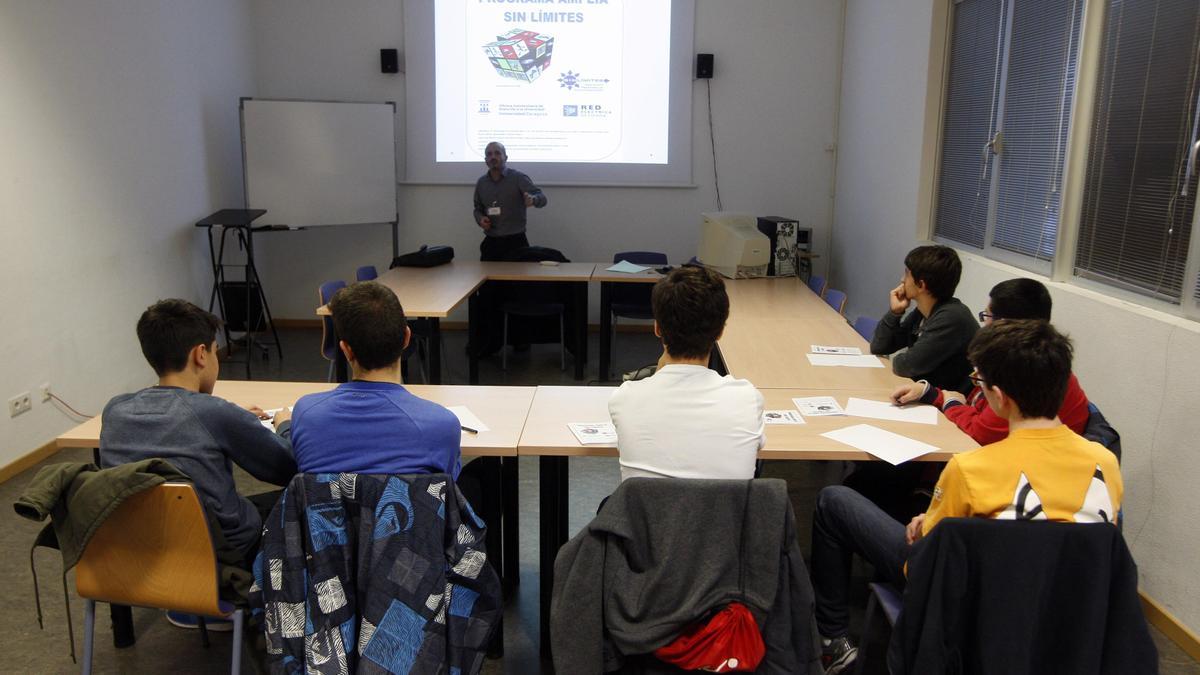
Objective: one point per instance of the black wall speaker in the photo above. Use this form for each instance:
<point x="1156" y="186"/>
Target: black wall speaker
<point x="704" y="66"/>
<point x="389" y="61"/>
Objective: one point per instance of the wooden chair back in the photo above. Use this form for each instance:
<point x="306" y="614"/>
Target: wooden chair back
<point x="154" y="550"/>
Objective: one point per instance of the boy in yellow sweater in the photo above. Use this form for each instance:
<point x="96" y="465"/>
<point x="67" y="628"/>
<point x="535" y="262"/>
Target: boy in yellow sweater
<point x="1041" y="471"/>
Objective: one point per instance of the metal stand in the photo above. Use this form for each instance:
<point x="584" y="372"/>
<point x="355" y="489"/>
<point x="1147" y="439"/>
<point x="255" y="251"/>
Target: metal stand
<point x="239" y="221"/>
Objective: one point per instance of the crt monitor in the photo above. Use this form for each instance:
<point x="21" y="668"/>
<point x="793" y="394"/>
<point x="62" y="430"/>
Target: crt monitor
<point x="731" y="244"/>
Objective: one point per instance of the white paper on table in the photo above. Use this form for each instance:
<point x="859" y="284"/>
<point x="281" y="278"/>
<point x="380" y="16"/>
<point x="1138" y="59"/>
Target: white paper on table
<point x="850" y="361"/>
<point x="816" y="406"/>
<point x="883" y="410"/>
<point x="467" y="418"/>
<point x="627" y="267"/>
<point x="782" y="417"/>
<point x="593" y="433"/>
<point x="270" y="421"/>
<point x="891" y="448"/>
<point x="825" y="349"/>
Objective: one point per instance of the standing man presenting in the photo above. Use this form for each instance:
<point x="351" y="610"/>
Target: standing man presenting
<point x="501" y="197"/>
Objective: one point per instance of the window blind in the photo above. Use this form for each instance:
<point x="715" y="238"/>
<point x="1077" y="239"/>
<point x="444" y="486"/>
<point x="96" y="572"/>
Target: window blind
<point x="1135" y="224"/>
<point x="972" y="93"/>
<point x="1038" y="91"/>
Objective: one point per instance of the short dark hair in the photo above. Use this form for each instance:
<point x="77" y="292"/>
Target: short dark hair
<point x="938" y="266"/>
<point x="168" y="331"/>
<point x="690" y="306"/>
<point x="368" y="316"/>
<point x="1020" y="299"/>
<point x="1028" y="359"/>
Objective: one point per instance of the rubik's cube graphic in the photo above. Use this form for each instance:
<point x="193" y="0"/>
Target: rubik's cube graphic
<point x="520" y="54"/>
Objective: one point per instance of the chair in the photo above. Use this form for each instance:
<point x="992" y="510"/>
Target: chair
<point x="530" y="308"/>
<point x="632" y="301"/>
<point x="155" y="550"/>
<point x="365" y="273"/>
<point x="865" y="326"/>
<point x="533" y="299"/>
<point x="886" y="599"/>
<point x="836" y="299"/>
<point x="1059" y="595"/>
<point x="328" y="344"/>
<point x="817" y="284"/>
<point x="1099" y="430"/>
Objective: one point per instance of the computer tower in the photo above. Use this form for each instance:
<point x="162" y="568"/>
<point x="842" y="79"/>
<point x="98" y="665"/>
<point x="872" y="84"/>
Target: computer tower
<point x="788" y="240"/>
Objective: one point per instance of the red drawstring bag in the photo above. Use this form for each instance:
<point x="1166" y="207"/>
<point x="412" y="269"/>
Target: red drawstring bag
<point x="726" y="642"/>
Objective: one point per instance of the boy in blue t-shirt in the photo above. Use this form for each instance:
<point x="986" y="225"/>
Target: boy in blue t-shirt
<point x="372" y="424"/>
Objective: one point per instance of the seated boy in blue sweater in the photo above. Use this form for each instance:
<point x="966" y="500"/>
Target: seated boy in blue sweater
<point x="373" y="424"/>
<point x="202" y="435"/>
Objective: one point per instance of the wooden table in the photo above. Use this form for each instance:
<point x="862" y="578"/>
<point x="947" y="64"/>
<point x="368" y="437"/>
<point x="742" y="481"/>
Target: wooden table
<point x="547" y="436"/>
<point x="433" y="292"/>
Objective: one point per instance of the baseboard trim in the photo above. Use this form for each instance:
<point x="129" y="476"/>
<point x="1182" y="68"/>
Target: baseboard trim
<point x="23" y="463"/>
<point x="462" y="325"/>
<point x="1160" y="618"/>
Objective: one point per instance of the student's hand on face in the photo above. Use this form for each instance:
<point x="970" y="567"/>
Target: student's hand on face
<point x="258" y="412"/>
<point x="898" y="300"/>
<point x="907" y="393"/>
<point x="948" y="396"/>
<point x="913" y="531"/>
<point x="485" y="223"/>
<point x="281" y="417"/>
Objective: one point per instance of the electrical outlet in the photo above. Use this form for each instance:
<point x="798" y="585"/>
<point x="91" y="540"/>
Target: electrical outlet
<point x="44" y="390"/>
<point x="19" y="404"/>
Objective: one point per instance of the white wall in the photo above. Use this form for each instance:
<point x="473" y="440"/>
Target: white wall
<point x="119" y="130"/>
<point x="1140" y="366"/>
<point x="773" y="98"/>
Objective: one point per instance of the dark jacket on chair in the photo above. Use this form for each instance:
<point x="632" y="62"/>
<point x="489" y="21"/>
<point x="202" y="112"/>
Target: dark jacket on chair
<point x="665" y="553"/>
<point x="988" y="596"/>
<point x="370" y="574"/>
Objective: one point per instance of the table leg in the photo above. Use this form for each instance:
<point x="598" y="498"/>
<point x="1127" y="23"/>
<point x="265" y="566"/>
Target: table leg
<point x="605" y="330"/>
<point x="510" y="491"/>
<point x="435" y="351"/>
<point x="581" y="323"/>
<point x="122" y="625"/>
<point x="341" y="370"/>
<point x="552" y="514"/>
<point x="474" y="338"/>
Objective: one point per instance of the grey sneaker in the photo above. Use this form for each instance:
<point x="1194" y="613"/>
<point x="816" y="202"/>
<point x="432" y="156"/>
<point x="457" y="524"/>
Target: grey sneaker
<point x="837" y="655"/>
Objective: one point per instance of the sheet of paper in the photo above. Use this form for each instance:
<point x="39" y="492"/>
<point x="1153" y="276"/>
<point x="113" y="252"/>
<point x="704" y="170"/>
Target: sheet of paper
<point x="782" y="417"/>
<point x="891" y="448"/>
<point x="825" y="349"/>
<point x="467" y="418"/>
<point x="593" y="433"/>
<point x="270" y="421"/>
<point x="627" y="267"/>
<point x="817" y="406"/>
<point x="884" y="410"/>
<point x="850" y="361"/>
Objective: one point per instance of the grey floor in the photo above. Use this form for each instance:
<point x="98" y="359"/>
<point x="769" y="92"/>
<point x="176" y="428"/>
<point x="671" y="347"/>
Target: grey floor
<point x="163" y="648"/>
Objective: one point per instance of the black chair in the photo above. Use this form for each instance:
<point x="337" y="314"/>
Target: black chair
<point x="1002" y="596"/>
<point x="534" y="300"/>
<point x="632" y="301"/>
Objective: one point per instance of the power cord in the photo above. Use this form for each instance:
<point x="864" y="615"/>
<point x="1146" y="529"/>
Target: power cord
<point x="68" y="407"/>
<point x="712" y="139"/>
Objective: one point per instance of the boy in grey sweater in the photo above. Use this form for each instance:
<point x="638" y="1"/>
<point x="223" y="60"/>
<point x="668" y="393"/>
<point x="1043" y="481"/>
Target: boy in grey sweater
<point x="203" y="436"/>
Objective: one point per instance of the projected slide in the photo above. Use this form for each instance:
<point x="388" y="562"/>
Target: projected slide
<point x="555" y="81"/>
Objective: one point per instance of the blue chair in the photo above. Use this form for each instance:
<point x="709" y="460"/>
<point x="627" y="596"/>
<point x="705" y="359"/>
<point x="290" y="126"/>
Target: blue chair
<point x="887" y="599"/>
<point x="817" y="284"/>
<point x="366" y="273"/>
<point x="632" y="301"/>
<point x="836" y="299"/>
<point x="328" y="344"/>
<point x="865" y="326"/>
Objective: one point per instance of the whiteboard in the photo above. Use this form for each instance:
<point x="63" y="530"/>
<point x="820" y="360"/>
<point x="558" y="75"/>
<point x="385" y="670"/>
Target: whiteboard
<point x="311" y="163"/>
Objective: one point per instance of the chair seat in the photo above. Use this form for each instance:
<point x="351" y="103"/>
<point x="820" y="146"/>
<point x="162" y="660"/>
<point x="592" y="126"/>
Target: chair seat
<point x="533" y="309"/>
<point x="632" y="311"/>
<point x="890" y="600"/>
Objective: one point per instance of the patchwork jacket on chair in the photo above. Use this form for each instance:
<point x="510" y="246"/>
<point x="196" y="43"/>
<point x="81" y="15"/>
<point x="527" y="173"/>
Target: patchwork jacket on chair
<point x="374" y="574"/>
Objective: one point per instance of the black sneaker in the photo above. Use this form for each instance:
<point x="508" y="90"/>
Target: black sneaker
<point x="837" y="655"/>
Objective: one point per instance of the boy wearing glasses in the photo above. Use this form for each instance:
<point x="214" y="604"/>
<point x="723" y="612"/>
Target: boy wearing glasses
<point x="931" y="342"/>
<point x="1042" y="471"/>
<point x="1012" y="299"/>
